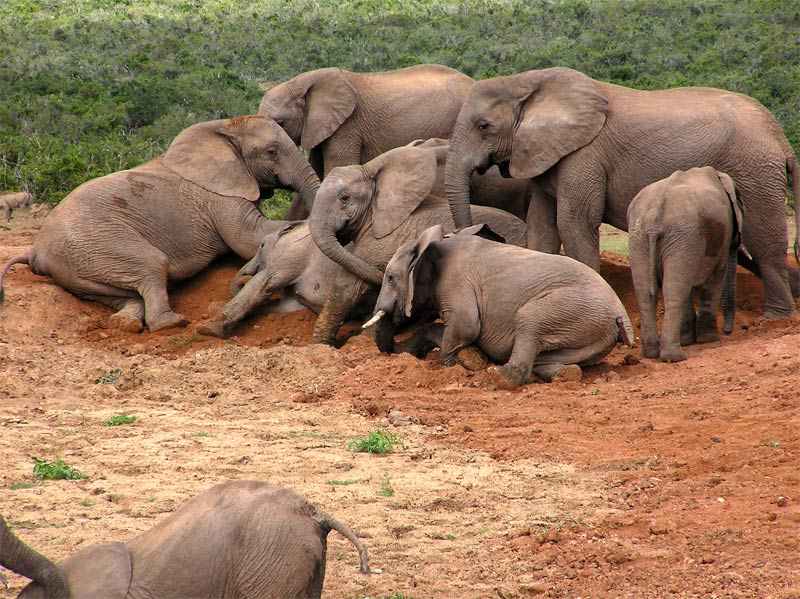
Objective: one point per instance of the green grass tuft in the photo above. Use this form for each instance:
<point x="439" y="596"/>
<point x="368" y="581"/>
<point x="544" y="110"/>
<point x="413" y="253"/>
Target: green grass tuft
<point x="345" y="482"/>
<point x="120" y="420"/>
<point x="386" y="487"/>
<point x="109" y="378"/>
<point x="378" y="441"/>
<point x="55" y="470"/>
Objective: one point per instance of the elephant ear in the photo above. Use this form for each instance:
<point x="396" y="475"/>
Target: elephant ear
<point x="737" y="209"/>
<point x="560" y="111"/>
<point x="290" y="226"/>
<point x="428" y="236"/>
<point x="480" y="230"/>
<point x="330" y="99"/>
<point x="207" y="154"/>
<point x="103" y="570"/>
<point x="403" y="177"/>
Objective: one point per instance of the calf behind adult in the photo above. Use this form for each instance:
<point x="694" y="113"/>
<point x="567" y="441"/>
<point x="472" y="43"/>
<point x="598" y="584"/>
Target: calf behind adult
<point x="14" y="199"/>
<point x="684" y="235"/>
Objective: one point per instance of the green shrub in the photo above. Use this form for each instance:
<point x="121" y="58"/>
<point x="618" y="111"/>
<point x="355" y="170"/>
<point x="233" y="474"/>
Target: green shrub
<point x="55" y="470"/>
<point x="378" y="441"/>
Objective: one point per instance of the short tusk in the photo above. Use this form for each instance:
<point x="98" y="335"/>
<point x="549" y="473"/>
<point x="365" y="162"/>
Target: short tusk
<point x="378" y="315"/>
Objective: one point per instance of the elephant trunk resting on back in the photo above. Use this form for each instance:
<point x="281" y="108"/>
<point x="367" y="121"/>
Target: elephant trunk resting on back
<point x="590" y="147"/>
<point x="530" y="310"/>
<point x="240" y="539"/>
<point x="121" y="239"/>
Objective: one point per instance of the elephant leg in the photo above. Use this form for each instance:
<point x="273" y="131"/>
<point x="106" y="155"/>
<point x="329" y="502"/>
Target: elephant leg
<point x="346" y="293"/>
<point x="558" y="372"/>
<point x="689" y="321"/>
<point x="580" y="213"/>
<point x="646" y="295"/>
<point x="423" y="340"/>
<point x="542" y="222"/>
<point x="130" y="317"/>
<point x="710" y="299"/>
<point x="456" y="335"/>
<point x="152" y="286"/>
<point x="517" y="370"/>
<point x="678" y="297"/>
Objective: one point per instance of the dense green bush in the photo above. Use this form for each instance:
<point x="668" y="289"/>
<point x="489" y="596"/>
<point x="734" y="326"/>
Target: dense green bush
<point x="94" y="86"/>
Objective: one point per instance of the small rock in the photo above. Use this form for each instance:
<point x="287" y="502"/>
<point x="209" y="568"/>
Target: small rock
<point x="630" y="360"/>
<point x="708" y="559"/>
<point x="397" y="418"/>
<point x="613" y="377"/>
<point x="781" y="501"/>
<point x="772" y="516"/>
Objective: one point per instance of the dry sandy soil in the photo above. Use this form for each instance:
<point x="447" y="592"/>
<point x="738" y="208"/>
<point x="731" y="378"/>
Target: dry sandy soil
<point x="642" y="480"/>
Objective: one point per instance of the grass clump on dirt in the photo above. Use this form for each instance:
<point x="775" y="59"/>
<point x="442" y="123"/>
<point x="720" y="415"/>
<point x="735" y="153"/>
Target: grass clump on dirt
<point x="386" y="487"/>
<point x="345" y="482"/>
<point x="120" y="419"/>
<point x="55" y="470"/>
<point x="109" y="378"/>
<point x="378" y="441"/>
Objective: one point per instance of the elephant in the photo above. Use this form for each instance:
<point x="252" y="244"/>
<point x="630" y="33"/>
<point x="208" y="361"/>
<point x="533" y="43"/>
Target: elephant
<point x="289" y="261"/>
<point x="379" y="206"/>
<point x="122" y="238"/>
<point x="684" y="234"/>
<point x="237" y="539"/>
<point x="14" y="199"/>
<point x="518" y="305"/>
<point x="343" y="118"/>
<point x="590" y="147"/>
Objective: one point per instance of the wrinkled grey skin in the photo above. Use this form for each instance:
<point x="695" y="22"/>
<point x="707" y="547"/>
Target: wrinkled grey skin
<point x="242" y="539"/>
<point x="590" y="147"/>
<point x="530" y="310"/>
<point x="14" y="199"/>
<point x="379" y="206"/>
<point x="290" y="262"/>
<point x="123" y="238"/>
<point x="344" y="118"/>
<point x="684" y="233"/>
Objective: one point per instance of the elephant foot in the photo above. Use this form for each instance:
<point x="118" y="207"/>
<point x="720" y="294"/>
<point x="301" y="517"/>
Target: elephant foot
<point x="167" y="320"/>
<point x="558" y="373"/>
<point x="777" y="314"/>
<point x="472" y="358"/>
<point x="688" y="337"/>
<point x="503" y="377"/>
<point x="673" y="355"/>
<point x="213" y="328"/>
<point x="707" y="336"/>
<point x="125" y="322"/>
<point x="651" y="350"/>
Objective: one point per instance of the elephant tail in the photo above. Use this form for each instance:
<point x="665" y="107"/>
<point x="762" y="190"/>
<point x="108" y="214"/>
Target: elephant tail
<point x="652" y="239"/>
<point x="329" y="523"/>
<point x="794" y="172"/>
<point x="626" y="334"/>
<point x="26" y="258"/>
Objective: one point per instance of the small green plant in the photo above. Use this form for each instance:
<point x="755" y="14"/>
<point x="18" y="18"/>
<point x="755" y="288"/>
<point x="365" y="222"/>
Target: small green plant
<point x="440" y="536"/>
<point x="386" y="487"/>
<point x="109" y="378"/>
<point x="378" y="441"/>
<point x="23" y="484"/>
<point x="120" y="419"/>
<point x="771" y="443"/>
<point x="86" y="503"/>
<point x="55" y="470"/>
<point x="348" y="481"/>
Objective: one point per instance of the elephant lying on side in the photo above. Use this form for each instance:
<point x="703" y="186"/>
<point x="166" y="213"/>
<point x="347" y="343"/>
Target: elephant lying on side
<point x="344" y="118"/>
<point x="531" y="310"/>
<point x="684" y="233"/>
<point x="379" y="206"/>
<point x="121" y="239"/>
<point x="290" y="262"/>
<point x="591" y="146"/>
<point x="14" y="199"/>
<point x="241" y="539"/>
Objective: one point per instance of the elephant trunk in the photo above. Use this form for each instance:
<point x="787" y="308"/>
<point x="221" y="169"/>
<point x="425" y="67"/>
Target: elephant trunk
<point x="303" y="179"/>
<point x="325" y="237"/>
<point x="248" y="269"/>
<point x="457" y="173"/>
<point x="251" y="295"/>
<point x="18" y="557"/>
<point x="729" y="291"/>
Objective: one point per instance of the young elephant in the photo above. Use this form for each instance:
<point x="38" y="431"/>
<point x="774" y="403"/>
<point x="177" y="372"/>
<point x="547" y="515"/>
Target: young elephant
<point x="684" y="234"/>
<point x="379" y="206"/>
<point x="288" y="261"/>
<point x="121" y="239"/>
<point x="14" y="199"/>
<point x="531" y="310"/>
<point x="241" y="539"/>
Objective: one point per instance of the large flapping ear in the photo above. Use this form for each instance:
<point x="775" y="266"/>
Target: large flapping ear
<point x="329" y="100"/>
<point x="737" y="208"/>
<point x="480" y="230"/>
<point x="560" y="111"/>
<point x="207" y="155"/>
<point x="428" y="236"/>
<point x="99" y="571"/>
<point x="403" y="178"/>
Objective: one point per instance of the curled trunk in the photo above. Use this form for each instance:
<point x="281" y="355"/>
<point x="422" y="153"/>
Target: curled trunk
<point x="249" y="269"/>
<point x="457" y="173"/>
<point x="325" y="238"/>
<point x="303" y="180"/>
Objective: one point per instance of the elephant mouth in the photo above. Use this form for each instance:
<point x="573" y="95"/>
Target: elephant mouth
<point x="504" y="169"/>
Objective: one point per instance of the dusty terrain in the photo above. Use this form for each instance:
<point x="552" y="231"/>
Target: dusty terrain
<point x="642" y="480"/>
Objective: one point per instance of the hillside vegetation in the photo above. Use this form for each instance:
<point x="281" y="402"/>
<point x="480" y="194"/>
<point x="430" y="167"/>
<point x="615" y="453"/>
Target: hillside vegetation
<point x="93" y="86"/>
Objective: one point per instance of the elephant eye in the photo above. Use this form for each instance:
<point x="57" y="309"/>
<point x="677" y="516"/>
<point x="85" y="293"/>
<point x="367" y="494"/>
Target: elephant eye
<point x="272" y="152"/>
<point x="484" y="126"/>
<point x="344" y="199"/>
<point x="280" y="123"/>
<point x="389" y="279"/>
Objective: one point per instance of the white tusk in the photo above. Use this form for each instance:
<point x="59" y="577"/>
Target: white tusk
<point x="376" y="317"/>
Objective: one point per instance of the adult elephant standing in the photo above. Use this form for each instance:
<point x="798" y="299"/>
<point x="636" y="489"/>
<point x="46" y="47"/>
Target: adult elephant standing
<point x="121" y="239"/>
<point x="591" y="146"/>
<point x="343" y="118"/>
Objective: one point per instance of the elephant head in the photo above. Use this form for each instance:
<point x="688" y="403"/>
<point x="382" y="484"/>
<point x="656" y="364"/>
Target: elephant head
<point x="245" y="157"/>
<point x="103" y="570"/>
<point x="312" y="106"/>
<point x="379" y="196"/>
<point x="523" y="123"/>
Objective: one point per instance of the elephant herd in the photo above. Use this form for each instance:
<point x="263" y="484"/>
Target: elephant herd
<point x="390" y="171"/>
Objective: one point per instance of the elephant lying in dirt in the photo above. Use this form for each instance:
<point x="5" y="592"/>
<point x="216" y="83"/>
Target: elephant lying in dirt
<point x="344" y="118"/>
<point x="290" y="262"/>
<point x="241" y="539"/>
<point x="121" y="239"/>
<point x="531" y="310"/>
<point x="590" y="147"/>
<point x="379" y="206"/>
<point x="684" y="234"/>
<point x="14" y="199"/>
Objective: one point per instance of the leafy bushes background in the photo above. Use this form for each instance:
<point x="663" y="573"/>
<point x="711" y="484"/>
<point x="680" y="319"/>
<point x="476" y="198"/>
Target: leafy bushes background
<point x="94" y="86"/>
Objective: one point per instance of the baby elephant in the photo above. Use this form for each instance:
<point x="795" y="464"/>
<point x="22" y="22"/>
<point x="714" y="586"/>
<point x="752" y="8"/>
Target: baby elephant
<point x="239" y="539"/>
<point x="14" y="199"/>
<point x="531" y="310"/>
<point x="684" y="233"/>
